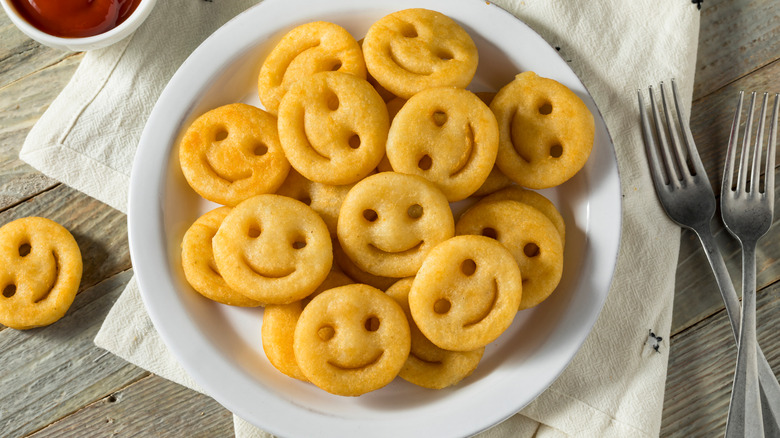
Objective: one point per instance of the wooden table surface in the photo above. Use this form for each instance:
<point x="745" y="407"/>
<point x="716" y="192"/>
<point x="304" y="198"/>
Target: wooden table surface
<point x="55" y="382"/>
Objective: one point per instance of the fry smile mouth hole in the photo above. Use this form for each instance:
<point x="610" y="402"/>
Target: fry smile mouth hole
<point x="402" y="252"/>
<point x="357" y="367"/>
<point x="259" y="272"/>
<point x="490" y="308"/>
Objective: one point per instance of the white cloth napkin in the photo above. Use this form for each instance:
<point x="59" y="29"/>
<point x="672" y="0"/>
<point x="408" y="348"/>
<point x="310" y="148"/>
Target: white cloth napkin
<point x="614" y="386"/>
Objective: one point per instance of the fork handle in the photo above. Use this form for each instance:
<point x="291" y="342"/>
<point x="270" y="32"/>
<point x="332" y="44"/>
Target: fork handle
<point x="744" y="418"/>
<point x="722" y="277"/>
<point x="770" y="388"/>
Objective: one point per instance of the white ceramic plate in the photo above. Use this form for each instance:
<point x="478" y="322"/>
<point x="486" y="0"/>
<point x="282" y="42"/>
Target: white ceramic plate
<point x="220" y="346"/>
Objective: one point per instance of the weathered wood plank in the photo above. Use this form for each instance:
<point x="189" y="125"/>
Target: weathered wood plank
<point x="696" y="294"/>
<point x="151" y="406"/>
<point x="735" y="38"/>
<point x="701" y="368"/>
<point x="21" y="105"/>
<point x="20" y="56"/>
<point x="52" y="371"/>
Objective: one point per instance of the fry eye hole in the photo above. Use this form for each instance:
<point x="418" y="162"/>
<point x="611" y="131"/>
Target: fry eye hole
<point x="546" y="108"/>
<point x="370" y="215"/>
<point x="260" y="150"/>
<point x="354" y="141"/>
<point x="299" y="243"/>
<point x="9" y="290"/>
<point x="442" y="306"/>
<point x="372" y="324"/>
<point x="326" y="332"/>
<point x="24" y="249"/>
<point x="439" y="118"/>
<point x="408" y="31"/>
<point x="425" y="162"/>
<point x="445" y="55"/>
<point x="531" y="250"/>
<point x="556" y="151"/>
<point x="468" y="267"/>
<point x="221" y="134"/>
<point x="415" y="211"/>
<point x="254" y="231"/>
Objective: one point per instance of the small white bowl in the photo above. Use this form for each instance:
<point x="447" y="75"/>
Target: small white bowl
<point x="104" y="39"/>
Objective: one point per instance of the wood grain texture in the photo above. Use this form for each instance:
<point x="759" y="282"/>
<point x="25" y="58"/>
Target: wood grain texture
<point x="21" y="104"/>
<point x="735" y="39"/>
<point x="702" y="361"/>
<point x="20" y="56"/>
<point x="52" y="371"/>
<point x="152" y="406"/>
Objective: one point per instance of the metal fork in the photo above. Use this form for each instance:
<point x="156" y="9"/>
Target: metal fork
<point x="687" y="197"/>
<point x="747" y="210"/>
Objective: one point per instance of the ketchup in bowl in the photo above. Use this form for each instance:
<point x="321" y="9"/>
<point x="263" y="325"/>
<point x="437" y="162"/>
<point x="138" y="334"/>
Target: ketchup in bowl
<point x="75" y="18"/>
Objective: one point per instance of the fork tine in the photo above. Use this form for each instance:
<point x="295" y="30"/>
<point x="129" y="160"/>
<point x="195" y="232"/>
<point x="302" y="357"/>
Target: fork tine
<point x="755" y="172"/>
<point x="745" y="155"/>
<point x="659" y="177"/>
<point x="690" y="146"/>
<point x="671" y="172"/>
<point x="769" y="172"/>
<point x="682" y="166"/>
<point x="731" y="151"/>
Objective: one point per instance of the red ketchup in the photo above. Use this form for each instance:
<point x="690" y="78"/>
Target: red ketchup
<point x="75" y="18"/>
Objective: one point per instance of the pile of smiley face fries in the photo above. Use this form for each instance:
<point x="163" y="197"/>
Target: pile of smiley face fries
<point x="360" y="165"/>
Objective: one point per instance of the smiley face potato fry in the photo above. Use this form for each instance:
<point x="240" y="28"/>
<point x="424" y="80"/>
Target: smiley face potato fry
<point x="303" y="51"/>
<point x="352" y="340"/>
<point x="389" y="221"/>
<point x="414" y="49"/>
<point x="333" y="127"/>
<point x="40" y="272"/>
<point x="446" y="135"/>
<point x="232" y="153"/>
<point x="273" y="249"/>
<point x="547" y="131"/>
<point x="466" y="293"/>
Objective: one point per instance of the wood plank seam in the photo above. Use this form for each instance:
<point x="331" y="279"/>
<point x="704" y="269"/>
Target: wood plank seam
<point x="108" y="397"/>
<point x="54" y="64"/>
<point x="715" y="314"/>
<point x="32" y="46"/>
<point x="28" y="198"/>
<point x="737" y="79"/>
